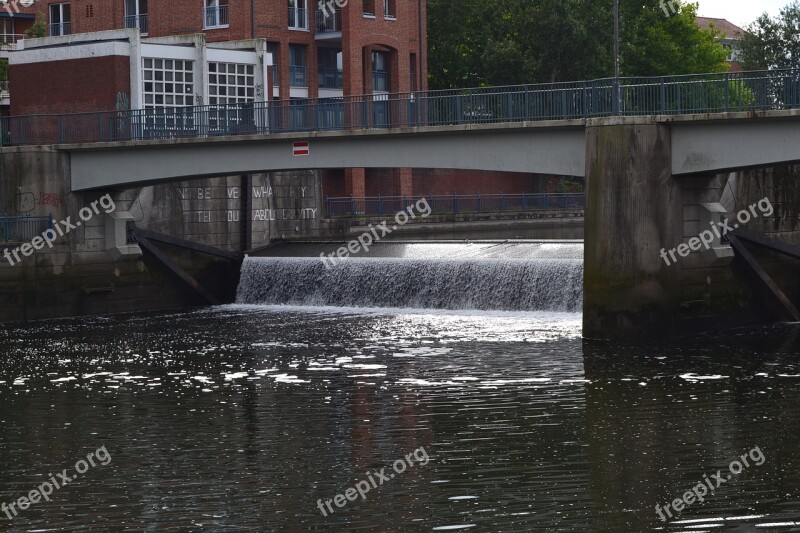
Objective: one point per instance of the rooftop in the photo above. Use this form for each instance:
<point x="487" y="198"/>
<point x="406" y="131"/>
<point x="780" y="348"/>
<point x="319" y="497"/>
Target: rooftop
<point x="731" y="30"/>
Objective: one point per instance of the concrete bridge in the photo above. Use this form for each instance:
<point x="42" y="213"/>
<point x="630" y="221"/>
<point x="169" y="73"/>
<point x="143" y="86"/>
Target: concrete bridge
<point x="707" y="143"/>
<point x="656" y="154"/>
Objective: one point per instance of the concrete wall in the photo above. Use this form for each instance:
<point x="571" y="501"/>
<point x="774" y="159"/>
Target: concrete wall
<point x="635" y="208"/>
<point x="78" y="275"/>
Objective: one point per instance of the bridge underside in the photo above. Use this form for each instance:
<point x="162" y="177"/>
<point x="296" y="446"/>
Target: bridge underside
<point x="556" y="149"/>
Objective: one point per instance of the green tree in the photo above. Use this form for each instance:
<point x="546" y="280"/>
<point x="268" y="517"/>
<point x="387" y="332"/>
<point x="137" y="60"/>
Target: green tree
<point x="38" y="29"/>
<point x="772" y="43"/>
<point x="499" y="42"/>
<point x="655" y="44"/>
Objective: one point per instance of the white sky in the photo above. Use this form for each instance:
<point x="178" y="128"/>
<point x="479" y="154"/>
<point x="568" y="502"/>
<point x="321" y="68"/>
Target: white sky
<point x="740" y="12"/>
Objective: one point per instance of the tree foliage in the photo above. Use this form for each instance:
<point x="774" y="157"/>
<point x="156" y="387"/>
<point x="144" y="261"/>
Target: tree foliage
<point x="38" y="29"/>
<point x="500" y="42"/>
<point x="772" y="43"/>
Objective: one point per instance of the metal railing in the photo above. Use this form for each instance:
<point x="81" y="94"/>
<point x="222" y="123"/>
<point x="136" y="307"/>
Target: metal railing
<point x="330" y="78"/>
<point x="297" y="76"/>
<point x="62" y="28"/>
<point x="137" y="21"/>
<point x="215" y="16"/>
<point x="332" y="23"/>
<point x="9" y="41"/>
<point x="709" y="93"/>
<point x="23" y="228"/>
<point x="454" y="204"/>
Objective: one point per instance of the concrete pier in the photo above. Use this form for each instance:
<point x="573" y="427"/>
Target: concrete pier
<point x="643" y="276"/>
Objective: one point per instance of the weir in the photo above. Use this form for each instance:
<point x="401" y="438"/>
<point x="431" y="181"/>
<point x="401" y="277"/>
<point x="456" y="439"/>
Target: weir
<point x="485" y="276"/>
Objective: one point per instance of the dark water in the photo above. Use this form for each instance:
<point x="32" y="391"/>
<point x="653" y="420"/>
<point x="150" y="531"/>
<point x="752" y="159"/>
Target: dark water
<point x="240" y="418"/>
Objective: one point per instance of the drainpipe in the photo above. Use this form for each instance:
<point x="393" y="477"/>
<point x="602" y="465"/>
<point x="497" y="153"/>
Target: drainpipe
<point x="253" y="16"/>
<point x="419" y="37"/>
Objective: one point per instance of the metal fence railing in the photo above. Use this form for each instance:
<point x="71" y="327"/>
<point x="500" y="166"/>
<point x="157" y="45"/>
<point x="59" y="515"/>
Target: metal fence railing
<point x="701" y="93"/>
<point x="329" y="21"/>
<point x="23" y="228"/>
<point x="454" y="203"/>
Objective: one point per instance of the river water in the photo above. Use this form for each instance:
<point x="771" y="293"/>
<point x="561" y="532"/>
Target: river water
<point x="250" y="417"/>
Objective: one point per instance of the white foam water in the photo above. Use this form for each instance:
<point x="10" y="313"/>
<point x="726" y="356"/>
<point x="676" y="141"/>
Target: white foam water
<point x="459" y="284"/>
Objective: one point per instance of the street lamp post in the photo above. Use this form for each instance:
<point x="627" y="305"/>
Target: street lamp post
<point x="616" y="96"/>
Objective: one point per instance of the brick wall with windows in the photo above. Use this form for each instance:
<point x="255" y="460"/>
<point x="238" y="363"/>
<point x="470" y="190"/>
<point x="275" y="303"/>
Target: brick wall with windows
<point x="394" y="29"/>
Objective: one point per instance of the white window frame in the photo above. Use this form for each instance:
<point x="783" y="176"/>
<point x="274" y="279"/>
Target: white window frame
<point x="294" y="19"/>
<point x="61" y="23"/>
<point x="219" y="11"/>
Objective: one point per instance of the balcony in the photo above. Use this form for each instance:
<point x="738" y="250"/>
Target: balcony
<point x="9" y="42"/>
<point x="330" y="78"/>
<point x="297" y="76"/>
<point x="137" y="21"/>
<point x="215" y="17"/>
<point x="60" y="28"/>
<point x="329" y="27"/>
<point x="298" y="18"/>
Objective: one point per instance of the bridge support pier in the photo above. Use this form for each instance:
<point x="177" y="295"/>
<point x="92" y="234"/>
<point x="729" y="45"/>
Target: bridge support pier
<point x="633" y="210"/>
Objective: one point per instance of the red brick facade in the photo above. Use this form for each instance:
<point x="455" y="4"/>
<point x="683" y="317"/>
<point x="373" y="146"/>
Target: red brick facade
<point x="402" y="37"/>
<point x="79" y="88"/>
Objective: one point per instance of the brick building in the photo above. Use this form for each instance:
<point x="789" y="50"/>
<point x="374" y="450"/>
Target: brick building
<point x="106" y="55"/>
<point x="731" y="35"/>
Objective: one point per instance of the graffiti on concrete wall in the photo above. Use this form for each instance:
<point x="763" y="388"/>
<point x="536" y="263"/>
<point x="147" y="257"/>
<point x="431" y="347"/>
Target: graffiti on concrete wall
<point x="26" y="202"/>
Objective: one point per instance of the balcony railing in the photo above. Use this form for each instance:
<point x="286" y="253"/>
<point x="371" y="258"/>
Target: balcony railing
<point x="9" y="41"/>
<point x="330" y="78"/>
<point x="215" y="16"/>
<point x="137" y="21"/>
<point x="298" y="18"/>
<point x="60" y="28"/>
<point x="297" y="76"/>
<point x="744" y="92"/>
<point x="330" y="23"/>
<point x="455" y="203"/>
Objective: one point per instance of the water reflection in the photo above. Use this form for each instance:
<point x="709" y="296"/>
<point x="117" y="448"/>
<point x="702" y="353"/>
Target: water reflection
<point x="240" y="418"/>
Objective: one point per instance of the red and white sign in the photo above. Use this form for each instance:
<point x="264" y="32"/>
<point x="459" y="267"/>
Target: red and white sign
<point x="300" y="148"/>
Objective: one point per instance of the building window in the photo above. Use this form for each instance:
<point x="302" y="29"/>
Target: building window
<point x="297" y="66"/>
<point x="274" y="49"/>
<point x="60" y="20"/>
<point x="330" y="68"/>
<point x="136" y="15"/>
<point x="231" y="83"/>
<point x="7" y="28"/>
<point x="389" y="9"/>
<point x="215" y="14"/>
<point x="369" y="8"/>
<point x="731" y="51"/>
<point x="167" y="82"/>
<point x="298" y="15"/>
<point x="380" y="72"/>
<point x="413" y="77"/>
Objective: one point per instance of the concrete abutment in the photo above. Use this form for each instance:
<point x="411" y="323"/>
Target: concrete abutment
<point x="647" y="272"/>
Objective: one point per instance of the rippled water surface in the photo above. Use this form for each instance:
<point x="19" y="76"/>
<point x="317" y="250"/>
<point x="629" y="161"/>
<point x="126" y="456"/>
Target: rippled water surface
<point x="241" y="418"/>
